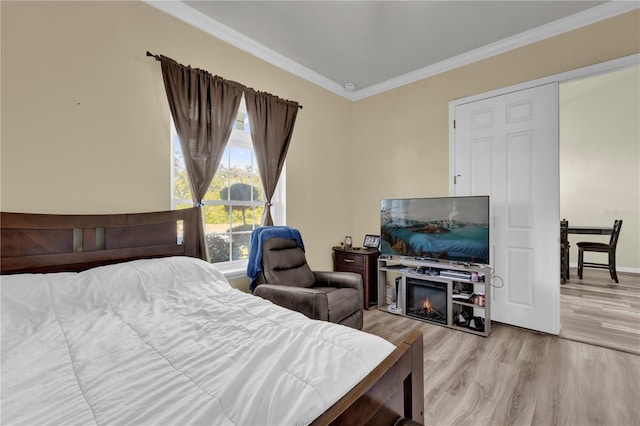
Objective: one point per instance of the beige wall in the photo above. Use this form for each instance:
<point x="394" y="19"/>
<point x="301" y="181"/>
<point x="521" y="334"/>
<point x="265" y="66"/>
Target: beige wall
<point x="403" y="134"/>
<point x="85" y="123"/>
<point x="600" y="159"/>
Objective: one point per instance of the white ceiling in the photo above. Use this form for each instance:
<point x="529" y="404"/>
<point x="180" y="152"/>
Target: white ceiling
<point x="379" y="45"/>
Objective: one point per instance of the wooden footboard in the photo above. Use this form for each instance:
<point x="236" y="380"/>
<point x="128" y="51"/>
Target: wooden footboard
<point x="394" y="389"/>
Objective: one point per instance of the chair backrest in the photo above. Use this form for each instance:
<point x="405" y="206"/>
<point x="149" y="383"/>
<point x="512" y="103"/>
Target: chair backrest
<point x="564" y="231"/>
<point x="617" y="224"/>
<point x="284" y="262"/>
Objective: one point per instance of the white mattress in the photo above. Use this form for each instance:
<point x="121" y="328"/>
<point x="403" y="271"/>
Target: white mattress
<point x="167" y="342"/>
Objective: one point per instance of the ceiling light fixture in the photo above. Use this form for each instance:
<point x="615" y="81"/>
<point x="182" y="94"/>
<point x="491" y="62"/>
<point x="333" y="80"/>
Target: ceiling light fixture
<point x="349" y="87"/>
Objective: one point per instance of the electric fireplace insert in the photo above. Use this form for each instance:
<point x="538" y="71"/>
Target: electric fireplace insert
<point x="426" y="300"/>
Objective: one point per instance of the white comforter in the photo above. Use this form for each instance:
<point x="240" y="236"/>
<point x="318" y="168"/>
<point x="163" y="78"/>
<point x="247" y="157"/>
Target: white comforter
<point x="167" y="342"/>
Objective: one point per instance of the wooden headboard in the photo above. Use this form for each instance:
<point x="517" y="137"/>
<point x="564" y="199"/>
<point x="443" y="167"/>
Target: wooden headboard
<point x="54" y="243"/>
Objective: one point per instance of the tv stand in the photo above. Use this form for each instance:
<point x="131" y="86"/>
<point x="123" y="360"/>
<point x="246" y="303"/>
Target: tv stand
<point x="451" y="294"/>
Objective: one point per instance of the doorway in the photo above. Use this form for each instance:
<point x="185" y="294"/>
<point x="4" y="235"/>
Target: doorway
<point x="599" y="183"/>
<point x="619" y="64"/>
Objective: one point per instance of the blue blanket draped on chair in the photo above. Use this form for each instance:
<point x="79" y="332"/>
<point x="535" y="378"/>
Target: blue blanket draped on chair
<point x="258" y="237"/>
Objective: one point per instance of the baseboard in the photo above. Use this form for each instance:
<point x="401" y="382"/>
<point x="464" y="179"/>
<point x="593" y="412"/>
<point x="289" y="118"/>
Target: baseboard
<point x="618" y="268"/>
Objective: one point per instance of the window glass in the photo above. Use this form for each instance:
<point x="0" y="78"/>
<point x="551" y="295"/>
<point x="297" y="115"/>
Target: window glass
<point x="234" y="202"/>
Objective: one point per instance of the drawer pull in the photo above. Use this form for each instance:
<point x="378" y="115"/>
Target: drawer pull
<point x="349" y="260"/>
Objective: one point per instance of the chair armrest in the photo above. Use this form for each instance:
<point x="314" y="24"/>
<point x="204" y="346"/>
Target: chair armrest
<point x="339" y="279"/>
<point x="310" y="302"/>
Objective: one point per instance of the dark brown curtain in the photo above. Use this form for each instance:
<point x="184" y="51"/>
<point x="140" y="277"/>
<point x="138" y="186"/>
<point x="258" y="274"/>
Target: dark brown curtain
<point x="271" y="120"/>
<point x="204" y="108"/>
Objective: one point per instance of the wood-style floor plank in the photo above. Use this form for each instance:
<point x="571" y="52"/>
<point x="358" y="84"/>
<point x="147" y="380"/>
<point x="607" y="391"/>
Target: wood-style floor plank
<point x="598" y="311"/>
<point x="518" y="377"/>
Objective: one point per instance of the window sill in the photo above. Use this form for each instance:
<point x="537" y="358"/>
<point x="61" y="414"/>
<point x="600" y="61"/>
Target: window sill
<point x="233" y="270"/>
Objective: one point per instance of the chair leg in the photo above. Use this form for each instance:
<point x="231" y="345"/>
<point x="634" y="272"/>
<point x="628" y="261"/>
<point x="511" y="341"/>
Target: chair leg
<point x="612" y="266"/>
<point x="580" y="259"/>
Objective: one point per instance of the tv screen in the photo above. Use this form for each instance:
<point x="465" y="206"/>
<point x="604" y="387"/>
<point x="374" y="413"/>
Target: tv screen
<point x="452" y="228"/>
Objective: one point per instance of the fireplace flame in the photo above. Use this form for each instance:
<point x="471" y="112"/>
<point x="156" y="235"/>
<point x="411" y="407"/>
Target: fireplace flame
<point x="427" y="305"/>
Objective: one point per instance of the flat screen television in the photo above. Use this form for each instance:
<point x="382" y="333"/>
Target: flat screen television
<point x="452" y="228"/>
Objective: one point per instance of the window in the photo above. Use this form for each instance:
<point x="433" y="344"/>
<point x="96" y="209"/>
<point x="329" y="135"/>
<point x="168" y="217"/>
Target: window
<point x="234" y="203"/>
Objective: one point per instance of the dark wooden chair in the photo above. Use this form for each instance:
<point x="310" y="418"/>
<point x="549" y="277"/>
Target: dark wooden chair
<point x="564" y="251"/>
<point x="610" y="249"/>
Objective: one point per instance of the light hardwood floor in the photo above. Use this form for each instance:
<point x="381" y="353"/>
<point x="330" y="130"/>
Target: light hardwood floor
<point x="596" y="310"/>
<point x="518" y="377"/>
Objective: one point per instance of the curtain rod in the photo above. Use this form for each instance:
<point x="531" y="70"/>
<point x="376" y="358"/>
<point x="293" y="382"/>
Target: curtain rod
<point x="157" y="57"/>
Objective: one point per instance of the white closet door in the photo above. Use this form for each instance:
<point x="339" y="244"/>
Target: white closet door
<point x="507" y="147"/>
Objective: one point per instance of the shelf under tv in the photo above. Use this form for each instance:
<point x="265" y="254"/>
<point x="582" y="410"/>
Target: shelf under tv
<point x="430" y="284"/>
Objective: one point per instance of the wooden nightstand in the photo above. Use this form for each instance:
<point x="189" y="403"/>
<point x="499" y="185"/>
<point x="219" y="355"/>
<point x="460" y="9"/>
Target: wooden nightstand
<point x="363" y="262"/>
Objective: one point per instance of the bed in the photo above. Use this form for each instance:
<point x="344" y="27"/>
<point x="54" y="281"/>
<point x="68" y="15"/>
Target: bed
<point x="110" y="319"/>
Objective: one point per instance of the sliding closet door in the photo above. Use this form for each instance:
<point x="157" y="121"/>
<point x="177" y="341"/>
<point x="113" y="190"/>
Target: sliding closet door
<point x="507" y="147"/>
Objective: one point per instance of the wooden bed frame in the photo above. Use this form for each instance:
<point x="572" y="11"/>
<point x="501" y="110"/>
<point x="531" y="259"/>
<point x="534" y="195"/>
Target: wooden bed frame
<point x="39" y="243"/>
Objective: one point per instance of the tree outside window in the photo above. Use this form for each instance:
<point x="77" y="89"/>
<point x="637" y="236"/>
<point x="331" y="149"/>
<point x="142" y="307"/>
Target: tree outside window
<point x="234" y="202"/>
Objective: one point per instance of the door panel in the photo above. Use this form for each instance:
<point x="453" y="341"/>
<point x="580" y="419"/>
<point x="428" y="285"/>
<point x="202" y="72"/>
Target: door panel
<point x="480" y="175"/>
<point x="520" y="259"/>
<point x="507" y="147"/>
<point x="519" y="184"/>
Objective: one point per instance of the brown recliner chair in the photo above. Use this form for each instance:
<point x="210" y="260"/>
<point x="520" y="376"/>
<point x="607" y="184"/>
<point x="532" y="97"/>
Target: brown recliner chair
<point x="287" y="280"/>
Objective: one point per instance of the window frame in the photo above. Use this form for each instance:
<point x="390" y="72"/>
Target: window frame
<point x="240" y="139"/>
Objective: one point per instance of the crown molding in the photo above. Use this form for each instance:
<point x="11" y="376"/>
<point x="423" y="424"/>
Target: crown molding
<point x="199" y="20"/>
<point x="578" y="20"/>
<point x="209" y="25"/>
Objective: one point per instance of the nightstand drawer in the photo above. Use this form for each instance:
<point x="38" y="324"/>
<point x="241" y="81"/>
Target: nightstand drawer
<point x="351" y="261"/>
<point x="349" y="268"/>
